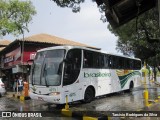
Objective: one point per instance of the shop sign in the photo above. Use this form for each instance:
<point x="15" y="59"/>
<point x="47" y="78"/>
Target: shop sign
<point x="8" y="59"/>
<point x="12" y="56"/>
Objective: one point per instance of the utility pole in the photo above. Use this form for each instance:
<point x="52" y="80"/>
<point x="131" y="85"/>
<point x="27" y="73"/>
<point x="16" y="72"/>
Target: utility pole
<point x="22" y="53"/>
<point x="23" y="56"/>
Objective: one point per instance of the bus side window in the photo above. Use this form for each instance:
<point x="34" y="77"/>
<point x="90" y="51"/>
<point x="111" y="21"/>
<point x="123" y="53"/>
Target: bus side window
<point x="106" y="61"/>
<point x="72" y="66"/>
<point x="85" y="60"/>
<point x="114" y="59"/>
<point x="117" y="66"/>
<point x="93" y="59"/>
<point x="101" y="61"/>
<point x="110" y="62"/>
<point x="125" y="63"/>
<point x="96" y="61"/>
<point x="88" y="59"/>
<point x="121" y="63"/>
<point x="131" y="64"/>
<point x="137" y="64"/>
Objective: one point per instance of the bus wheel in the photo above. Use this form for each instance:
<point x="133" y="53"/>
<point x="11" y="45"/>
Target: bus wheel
<point x="89" y="95"/>
<point x="131" y="86"/>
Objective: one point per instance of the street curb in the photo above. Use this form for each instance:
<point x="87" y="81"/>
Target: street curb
<point x="22" y="98"/>
<point x="69" y="113"/>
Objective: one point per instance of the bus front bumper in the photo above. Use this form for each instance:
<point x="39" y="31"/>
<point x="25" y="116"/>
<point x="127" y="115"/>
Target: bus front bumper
<point x="47" y="98"/>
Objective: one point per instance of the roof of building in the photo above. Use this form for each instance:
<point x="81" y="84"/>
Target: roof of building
<point x="45" y="38"/>
<point x="1" y="48"/>
<point x="5" y="42"/>
<point x="42" y="39"/>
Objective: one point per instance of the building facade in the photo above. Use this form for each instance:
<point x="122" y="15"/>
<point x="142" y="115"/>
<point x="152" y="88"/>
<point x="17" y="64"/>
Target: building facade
<point x="17" y="57"/>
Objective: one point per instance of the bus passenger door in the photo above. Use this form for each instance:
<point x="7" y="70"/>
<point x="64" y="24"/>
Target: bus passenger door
<point x="71" y="73"/>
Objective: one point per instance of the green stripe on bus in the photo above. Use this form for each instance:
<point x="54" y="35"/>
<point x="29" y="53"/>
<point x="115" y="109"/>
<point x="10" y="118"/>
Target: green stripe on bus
<point x="123" y="79"/>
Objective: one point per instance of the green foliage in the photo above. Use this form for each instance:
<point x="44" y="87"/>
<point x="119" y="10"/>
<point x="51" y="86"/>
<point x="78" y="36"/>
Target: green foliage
<point x="15" y="16"/>
<point x="73" y="4"/>
<point x="139" y="37"/>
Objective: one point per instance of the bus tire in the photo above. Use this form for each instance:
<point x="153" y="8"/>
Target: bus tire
<point x="131" y="86"/>
<point x="89" y="95"/>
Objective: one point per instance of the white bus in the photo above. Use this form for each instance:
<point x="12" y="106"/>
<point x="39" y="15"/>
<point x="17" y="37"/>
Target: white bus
<point x="81" y="74"/>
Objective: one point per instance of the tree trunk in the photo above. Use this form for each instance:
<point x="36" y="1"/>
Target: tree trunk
<point x="155" y="73"/>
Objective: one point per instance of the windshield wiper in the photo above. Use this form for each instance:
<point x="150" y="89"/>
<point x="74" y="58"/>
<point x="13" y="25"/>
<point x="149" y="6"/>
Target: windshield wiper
<point x="44" y="75"/>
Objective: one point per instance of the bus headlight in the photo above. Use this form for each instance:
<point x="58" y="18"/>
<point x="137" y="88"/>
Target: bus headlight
<point x="55" y="93"/>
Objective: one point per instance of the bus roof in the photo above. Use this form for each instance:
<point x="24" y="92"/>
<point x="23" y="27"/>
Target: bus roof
<point x="67" y="47"/>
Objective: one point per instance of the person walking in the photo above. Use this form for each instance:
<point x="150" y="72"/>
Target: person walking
<point x="20" y="85"/>
<point x="15" y="85"/>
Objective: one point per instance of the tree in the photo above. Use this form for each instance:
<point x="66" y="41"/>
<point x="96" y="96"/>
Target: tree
<point x="73" y="4"/>
<point x="15" y="16"/>
<point x="140" y="36"/>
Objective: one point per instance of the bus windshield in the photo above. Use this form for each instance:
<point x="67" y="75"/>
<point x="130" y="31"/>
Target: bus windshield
<point x="47" y="68"/>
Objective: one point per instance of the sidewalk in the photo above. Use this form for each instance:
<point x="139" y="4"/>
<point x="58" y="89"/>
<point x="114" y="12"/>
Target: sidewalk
<point x="11" y="94"/>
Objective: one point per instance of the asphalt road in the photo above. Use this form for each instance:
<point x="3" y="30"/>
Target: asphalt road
<point x="122" y="101"/>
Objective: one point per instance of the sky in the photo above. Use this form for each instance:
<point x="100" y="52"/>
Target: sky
<point x="84" y="26"/>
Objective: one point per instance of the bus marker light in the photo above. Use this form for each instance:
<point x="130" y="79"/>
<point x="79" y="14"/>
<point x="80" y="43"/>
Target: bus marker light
<point x="55" y="93"/>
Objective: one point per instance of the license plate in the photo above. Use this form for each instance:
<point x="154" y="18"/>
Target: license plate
<point x="39" y="98"/>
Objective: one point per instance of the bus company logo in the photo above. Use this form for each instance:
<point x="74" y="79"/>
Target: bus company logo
<point x="99" y="74"/>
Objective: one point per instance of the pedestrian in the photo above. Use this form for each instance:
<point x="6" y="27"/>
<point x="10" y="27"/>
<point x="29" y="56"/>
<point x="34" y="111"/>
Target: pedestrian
<point x="20" y="85"/>
<point x="15" y="84"/>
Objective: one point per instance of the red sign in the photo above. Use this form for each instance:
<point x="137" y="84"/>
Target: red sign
<point x="14" y="57"/>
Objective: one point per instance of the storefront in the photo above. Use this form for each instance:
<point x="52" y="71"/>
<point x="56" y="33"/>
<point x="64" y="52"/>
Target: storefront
<point x="15" y="62"/>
